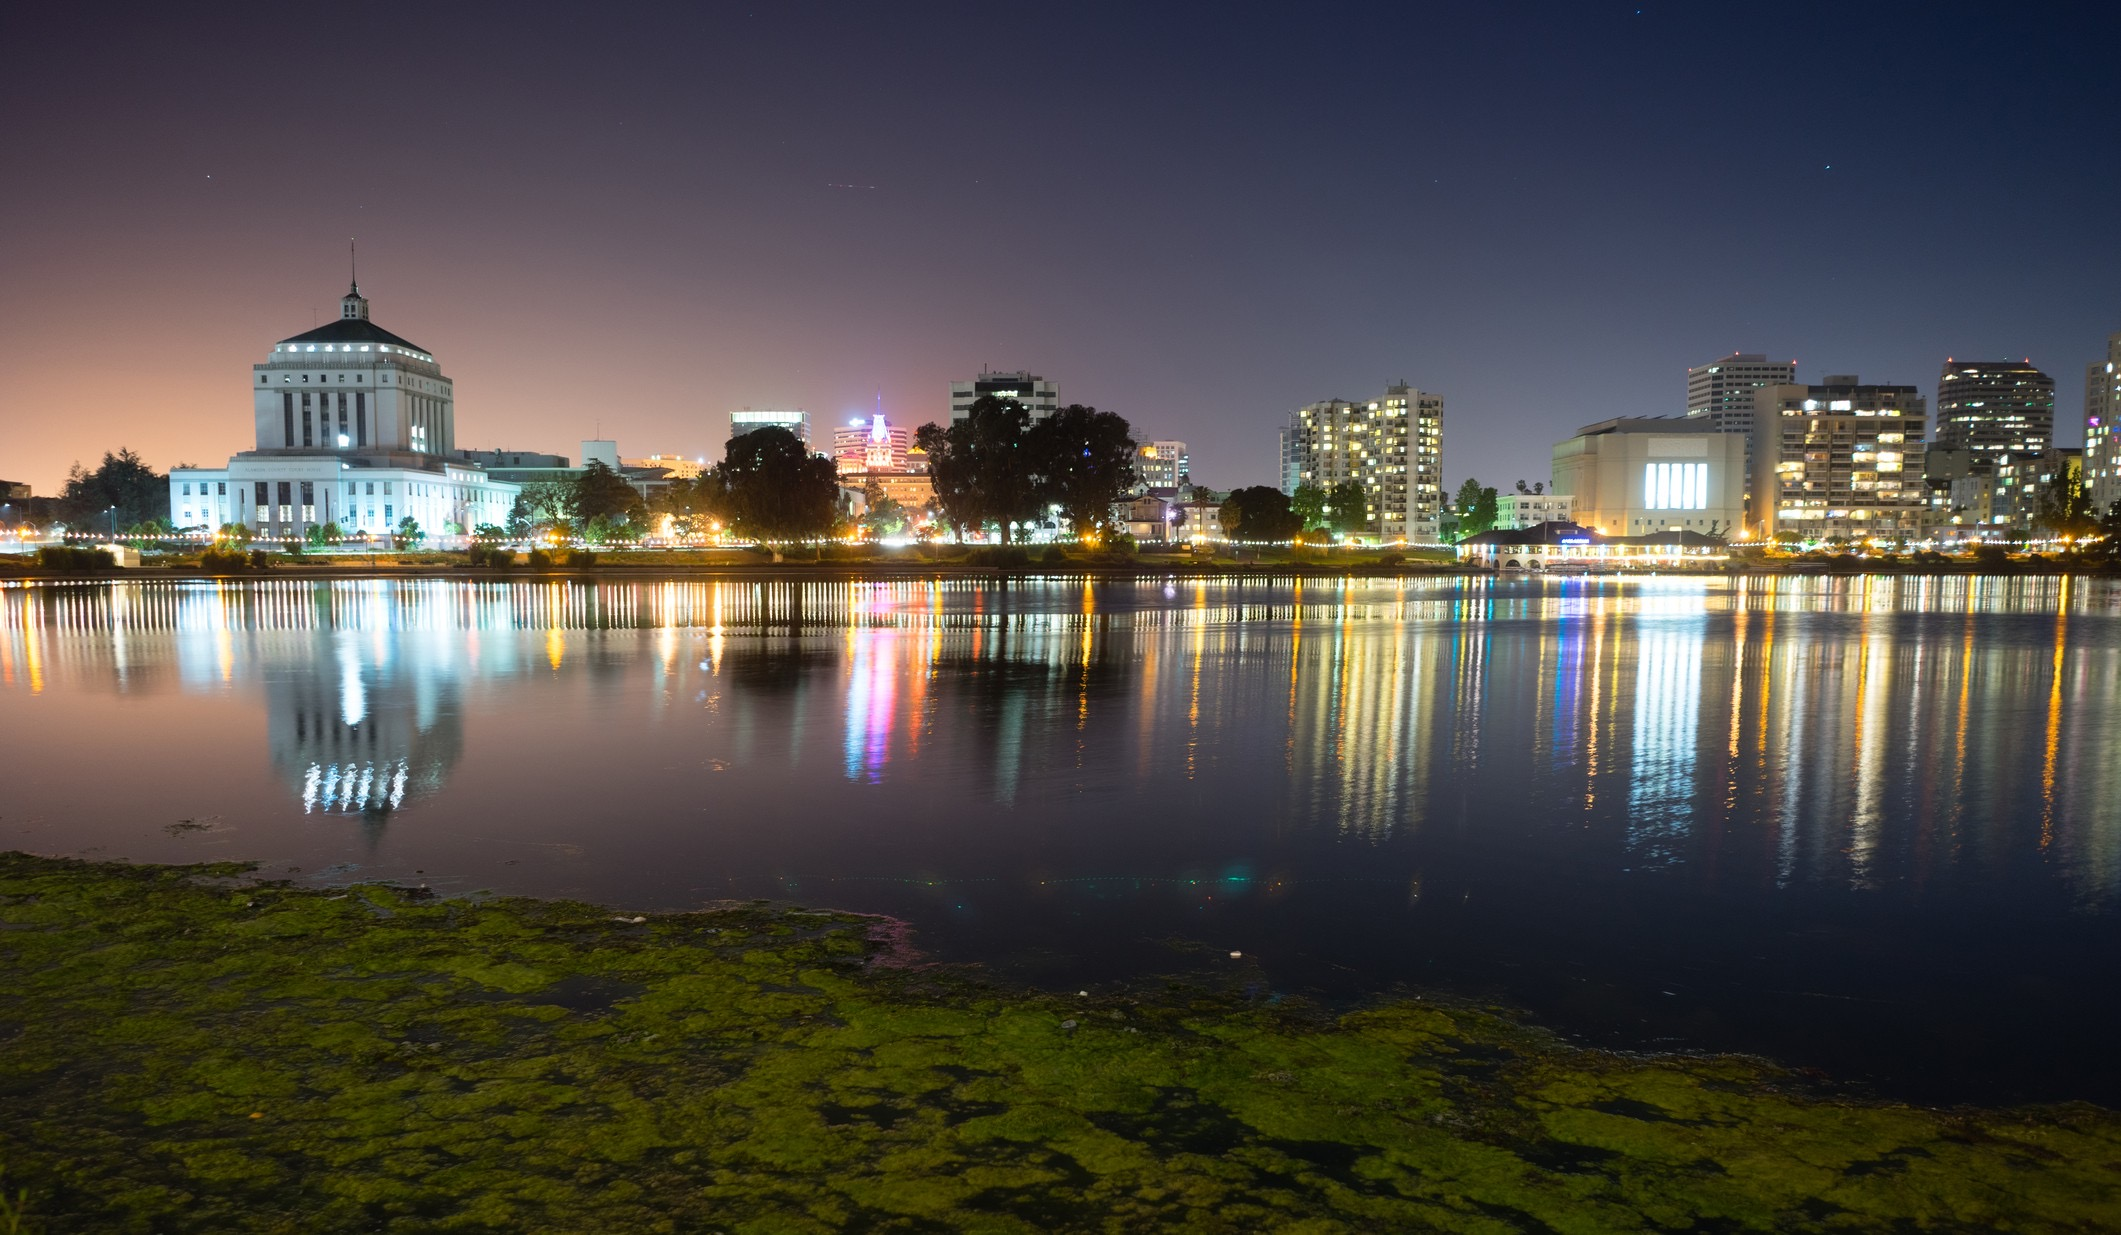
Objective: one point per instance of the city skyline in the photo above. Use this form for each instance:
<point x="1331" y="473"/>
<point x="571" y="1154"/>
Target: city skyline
<point x="642" y="244"/>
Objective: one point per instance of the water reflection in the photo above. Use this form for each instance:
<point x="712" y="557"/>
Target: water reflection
<point x="1549" y="753"/>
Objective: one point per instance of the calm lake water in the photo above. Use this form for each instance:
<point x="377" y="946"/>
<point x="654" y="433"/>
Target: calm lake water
<point x="1867" y="825"/>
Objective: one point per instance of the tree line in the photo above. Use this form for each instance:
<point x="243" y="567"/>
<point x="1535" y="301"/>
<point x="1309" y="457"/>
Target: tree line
<point x="998" y="467"/>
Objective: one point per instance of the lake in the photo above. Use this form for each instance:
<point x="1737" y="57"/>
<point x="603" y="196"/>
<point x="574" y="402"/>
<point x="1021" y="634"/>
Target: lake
<point x="1868" y="825"/>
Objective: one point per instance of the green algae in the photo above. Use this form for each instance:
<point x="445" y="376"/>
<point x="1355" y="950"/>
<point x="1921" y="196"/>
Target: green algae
<point x="183" y="1051"/>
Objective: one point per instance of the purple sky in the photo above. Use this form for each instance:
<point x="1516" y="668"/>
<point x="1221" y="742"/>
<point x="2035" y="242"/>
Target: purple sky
<point x="639" y="217"/>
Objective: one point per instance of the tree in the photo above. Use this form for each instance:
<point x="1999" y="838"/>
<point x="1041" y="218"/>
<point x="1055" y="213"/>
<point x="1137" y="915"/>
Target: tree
<point x="601" y="491"/>
<point x="1260" y="512"/>
<point x="137" y="492"/>
<point x="983" y="468"/>
<point x="883" y="515"/>
<point x="518" y="519"/>
<point x="690" y="504"/>
<point x="1347" y="507"/>
<point x="232" y="535"/>
<point x="546" y="502"/>
<point x="320" y="534"/>
<point x="2065" y="509"/>
<point x="1085" y="462"/>
<point x="1308" y="504"/>
<point x="773" y="488"/>
<point x="409" y="531"/>
<point x="1477" y="508"/>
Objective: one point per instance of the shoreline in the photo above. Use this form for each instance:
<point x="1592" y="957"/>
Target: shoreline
<point x="196" y="1048"/>
<point x="892" y="570"/>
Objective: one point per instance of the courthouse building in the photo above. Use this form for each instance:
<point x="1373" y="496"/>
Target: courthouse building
<point x="355" y="427"/>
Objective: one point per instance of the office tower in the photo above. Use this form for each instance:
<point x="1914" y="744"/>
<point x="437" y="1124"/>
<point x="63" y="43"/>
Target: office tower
<point x="1722" y="390"/>
<point x="1034" y="392"/>
<point x="1992" y="408"/>
<point x="1163" y="465"/>
<point x="796" y="421"/>
<point x="2102" y="449"/>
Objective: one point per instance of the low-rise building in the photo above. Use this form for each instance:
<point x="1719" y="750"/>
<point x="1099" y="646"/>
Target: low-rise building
<point x="1634" y="475"/>
<point x="1514" y="511"/>
<point x="1150" y="520"/>
<point x="1571" y="546"/>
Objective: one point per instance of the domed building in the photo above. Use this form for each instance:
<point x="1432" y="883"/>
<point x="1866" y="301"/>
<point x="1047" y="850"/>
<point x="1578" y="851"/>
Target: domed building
<point x="355" y="427"/>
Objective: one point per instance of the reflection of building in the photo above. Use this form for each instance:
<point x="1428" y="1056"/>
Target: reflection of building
<point x="1638" y="474"/>
<point x="1839" y="459"/>
<point x="354" y="733"/>
<point x="1392" y="446"/>
<point x="1039" y="396"/>
<point x="355" y="427"/>
<point x="796" y="421"/>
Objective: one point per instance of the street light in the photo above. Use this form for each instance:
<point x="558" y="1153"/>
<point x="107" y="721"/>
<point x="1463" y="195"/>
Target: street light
<point x="112" y="511"/>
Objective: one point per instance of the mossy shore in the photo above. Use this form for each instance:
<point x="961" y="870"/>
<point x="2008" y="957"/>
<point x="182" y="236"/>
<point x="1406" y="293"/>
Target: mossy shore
<point x="184" y="1049"/>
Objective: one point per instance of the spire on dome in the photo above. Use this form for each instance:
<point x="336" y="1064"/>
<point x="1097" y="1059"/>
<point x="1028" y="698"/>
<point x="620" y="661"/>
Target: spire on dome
<point x="353" y="307"/>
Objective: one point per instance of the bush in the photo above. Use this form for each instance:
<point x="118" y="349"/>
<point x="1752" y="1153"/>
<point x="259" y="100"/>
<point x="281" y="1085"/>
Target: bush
<point x="1053" y="556"/>
<point x="1992" y="557"/>
<point x="581" y="557"/>
<point x="226" y="562"/>
<point x="1392" y="559"/>
<point x="490" y="555"/>
<point x="1000" y="555"/>
<point x="69" y="558"/>
<point x="540" y="560"/>
<point x="260" y="559"/>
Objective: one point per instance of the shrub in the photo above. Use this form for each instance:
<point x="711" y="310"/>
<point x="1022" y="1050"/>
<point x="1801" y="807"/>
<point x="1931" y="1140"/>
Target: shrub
<point x="538" y="559"/>
<point x="490" y="555"/>
<point x="70" y="558"/>
<point x="581" y="557"/>
<point x="1000" y="555"/>
<point x="1392" y="559"/>
<point x="1054" y="555"/>
<point x="1992" y="557"/>
<point x="225" y="562"/>
<point x="260" y="559"/>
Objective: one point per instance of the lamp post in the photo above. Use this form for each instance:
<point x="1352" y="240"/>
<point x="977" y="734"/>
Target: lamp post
<point x="112" y="511"/>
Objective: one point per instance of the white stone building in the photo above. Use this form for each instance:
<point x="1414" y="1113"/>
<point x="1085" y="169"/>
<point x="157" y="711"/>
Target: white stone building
<point x="1637" y="475"/>
<point x="355" y="427"/>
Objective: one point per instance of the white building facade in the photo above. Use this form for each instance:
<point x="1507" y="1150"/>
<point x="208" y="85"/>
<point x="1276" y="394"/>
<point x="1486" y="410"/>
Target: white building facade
<point x="1634" y="476"/>
<point x="1163" y="465"/>
<point x="355" y="427"/>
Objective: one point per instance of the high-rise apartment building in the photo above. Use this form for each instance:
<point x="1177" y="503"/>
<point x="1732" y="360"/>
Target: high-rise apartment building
<point x="2102" y="449"/>
<point x="796" y="421"/>
<point x="1163" y="465"/>
<point x="1392" y="445"/>
<point x="1289" y="465"/>
<point x="1992" y="408"/>
<point x="1839" y="459"/>
<point x="1034" y="392"/>
<point x="1723" y="390"/>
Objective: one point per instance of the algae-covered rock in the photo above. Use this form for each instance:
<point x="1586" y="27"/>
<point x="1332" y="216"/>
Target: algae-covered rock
<point x="183" y="1051"/>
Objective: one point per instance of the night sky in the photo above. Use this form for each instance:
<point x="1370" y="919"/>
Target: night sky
<point x="639" y="218"/>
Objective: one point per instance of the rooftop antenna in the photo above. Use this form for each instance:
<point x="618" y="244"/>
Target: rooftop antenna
<point x="353" y="265"/>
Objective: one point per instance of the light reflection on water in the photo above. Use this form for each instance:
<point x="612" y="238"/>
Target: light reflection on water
<point x="1709" y="811"/>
